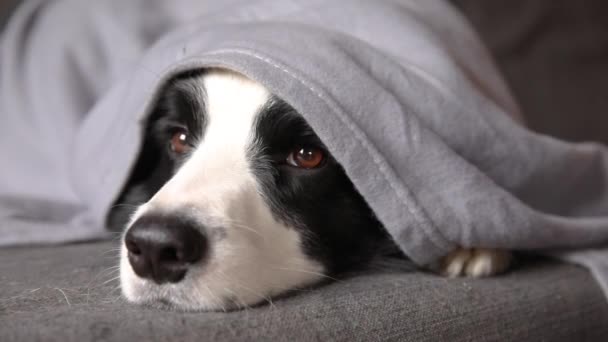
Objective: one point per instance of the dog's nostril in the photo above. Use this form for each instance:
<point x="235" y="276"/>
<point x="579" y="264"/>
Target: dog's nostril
<point x="132" y="247"/>
<point x="162" y="248"/>
<point x="170" y="255"/>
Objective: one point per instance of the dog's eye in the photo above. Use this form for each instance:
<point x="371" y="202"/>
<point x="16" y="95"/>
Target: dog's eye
<point x="306" y="157"/>
<point x="179" y="142"/>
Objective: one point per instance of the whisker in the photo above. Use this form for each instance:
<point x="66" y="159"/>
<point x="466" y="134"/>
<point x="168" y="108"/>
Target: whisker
<point x="280" y="267"/>
<point x="241" y="303"/>
<point x="219" y="300"/>
<point x="306" y="271"/>
<point x="267" y="299"/>
<point x="115" y="288"/>
<point x="113" y="250"/>
<point x="109" y="280"/>
<point x="108" y="270"/>
<point x="116" y="237"/>
<point x="112" y="273"/>
<point x="246" y="227"/>
<point x="118" y="298"/>
<point x="103" y="273"/>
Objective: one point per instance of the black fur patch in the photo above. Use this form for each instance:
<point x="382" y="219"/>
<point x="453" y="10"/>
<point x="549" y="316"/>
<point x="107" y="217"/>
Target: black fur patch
<point x="177" y="108"/>
<point x="338" y="227"/>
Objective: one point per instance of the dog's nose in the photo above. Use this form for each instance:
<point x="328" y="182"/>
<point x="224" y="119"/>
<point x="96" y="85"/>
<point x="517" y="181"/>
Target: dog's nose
<point x="162" y="248"/>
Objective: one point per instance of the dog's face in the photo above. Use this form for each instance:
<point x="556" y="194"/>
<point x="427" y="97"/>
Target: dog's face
<point x="247" y="201"/>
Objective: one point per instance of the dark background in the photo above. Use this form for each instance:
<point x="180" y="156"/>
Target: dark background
<point x="554" y="55"/>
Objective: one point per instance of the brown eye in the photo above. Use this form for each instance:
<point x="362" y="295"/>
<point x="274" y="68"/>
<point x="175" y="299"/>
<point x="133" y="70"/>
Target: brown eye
<point x="179" y="142"/>
<point x="306" y="157"/>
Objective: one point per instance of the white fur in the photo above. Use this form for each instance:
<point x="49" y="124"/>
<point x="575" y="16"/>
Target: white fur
<point x="258" y="256"/>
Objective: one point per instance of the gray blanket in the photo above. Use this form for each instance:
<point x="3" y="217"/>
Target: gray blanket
<point x="401" y="92"/>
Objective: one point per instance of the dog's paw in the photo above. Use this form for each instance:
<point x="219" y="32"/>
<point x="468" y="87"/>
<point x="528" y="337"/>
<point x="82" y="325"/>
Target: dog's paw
<point x="475" y="262"/>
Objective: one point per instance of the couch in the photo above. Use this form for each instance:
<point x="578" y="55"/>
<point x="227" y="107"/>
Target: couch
<point x="69" y="293"/>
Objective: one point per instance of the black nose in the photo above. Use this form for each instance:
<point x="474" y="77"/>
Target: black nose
<point x="162" y="248"/>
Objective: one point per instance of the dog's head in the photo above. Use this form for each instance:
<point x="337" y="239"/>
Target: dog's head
<point x="247" y="201"/>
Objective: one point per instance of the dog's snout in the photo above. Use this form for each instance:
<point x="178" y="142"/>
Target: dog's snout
<point x="162" y="248"/>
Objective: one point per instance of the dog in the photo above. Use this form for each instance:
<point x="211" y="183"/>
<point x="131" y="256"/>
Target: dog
<point x="242" y="202"/>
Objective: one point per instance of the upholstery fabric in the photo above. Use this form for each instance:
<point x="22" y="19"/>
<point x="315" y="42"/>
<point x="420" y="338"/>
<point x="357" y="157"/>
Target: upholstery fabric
<point x="62" y="293"/>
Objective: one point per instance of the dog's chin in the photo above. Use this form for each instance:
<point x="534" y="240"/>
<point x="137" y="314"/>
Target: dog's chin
<point x="216" y="288"/>
<point x="169" y="296"/>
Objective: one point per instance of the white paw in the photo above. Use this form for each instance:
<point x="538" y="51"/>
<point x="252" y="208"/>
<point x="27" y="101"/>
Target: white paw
<point x="475" y="262"/>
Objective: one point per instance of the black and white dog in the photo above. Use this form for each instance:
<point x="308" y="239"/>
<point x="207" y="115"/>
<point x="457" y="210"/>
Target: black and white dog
<point x="244" y="202"/>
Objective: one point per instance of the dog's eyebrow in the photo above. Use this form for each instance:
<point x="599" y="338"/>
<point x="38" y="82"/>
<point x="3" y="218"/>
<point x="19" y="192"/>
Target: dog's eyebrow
<point x="278" y="116"/>
<point x="278" y="127"/>
<point x="182" y="103"/>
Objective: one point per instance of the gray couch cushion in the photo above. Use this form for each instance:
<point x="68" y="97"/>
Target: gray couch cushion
<point x="61" y="294"/>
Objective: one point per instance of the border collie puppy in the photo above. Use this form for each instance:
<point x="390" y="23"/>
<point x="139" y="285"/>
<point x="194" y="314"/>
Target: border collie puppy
<point x="243" y="202"/>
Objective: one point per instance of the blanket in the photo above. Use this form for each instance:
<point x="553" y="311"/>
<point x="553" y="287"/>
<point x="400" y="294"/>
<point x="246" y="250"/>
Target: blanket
<point x="402" y="93"/>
